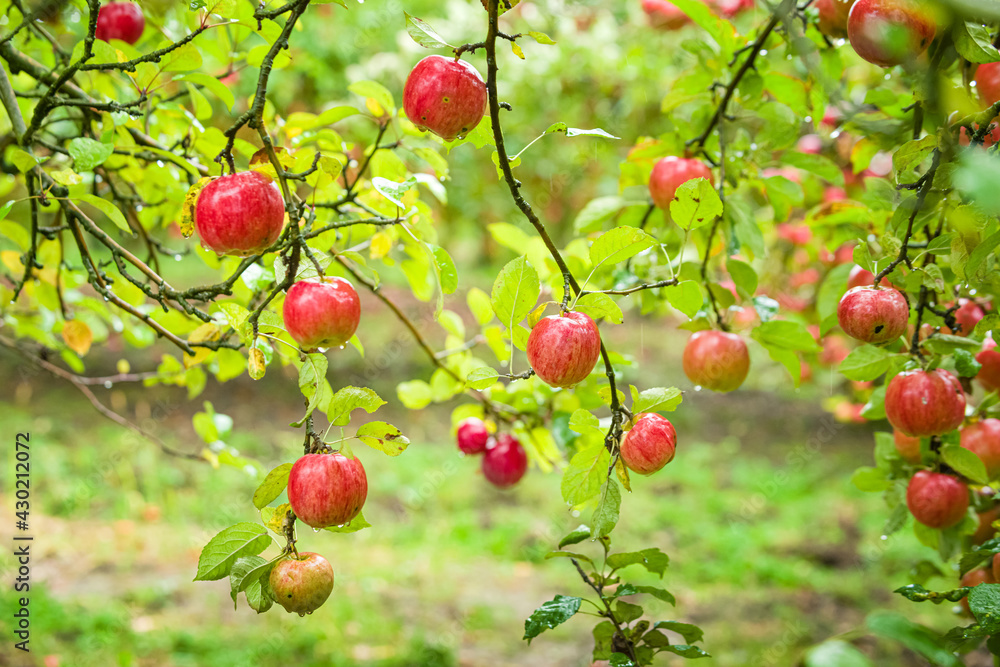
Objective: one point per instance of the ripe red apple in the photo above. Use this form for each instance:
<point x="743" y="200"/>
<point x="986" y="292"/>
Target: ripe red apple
<point x="890" y="32"/>
<point x="973" y="578"/>
<point x="983" y="439"/>
<point x="908" y="446"/>
<point x="505" y="461"/>
<point x="562" y="349"/>
<point x="672" y="172"/>
<point x="649" y="445"/>
<point x="967" y="316"/>
<point x="873" y="315"/>
<point x="810" y="143"/>
<point x="716" y="360"/>
<point x="937" y="500"/>
<point x="990" y="138"/>
<point x="445" y="96"/>
<point x="987" y="80"/>
<point x="833" y="17"/>
<point x="321" y="313"/>
<point x="834" y="194"/>
<point x="239" y="214"/>
<point x="301" y="585"/>
<point x="327" y="489"/>
<point x="120" y="20"/>
<point x="663" y="14"/>
<point x="989" y="357"/>
<point x="798" y="235"/>
<point x="995" y="567"/>
<point x="920" y="404"/>
<point x="472" y="435"/>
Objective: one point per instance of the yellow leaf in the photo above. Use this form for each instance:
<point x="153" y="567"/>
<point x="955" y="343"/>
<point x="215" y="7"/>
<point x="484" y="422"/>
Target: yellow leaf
<point x="77" y="336"/>
<point x="256" y="364"/>
<point x="374" y="107"/>
<point x="381" y="245"/>
<point x="123" y="366"/>
<point x="12" y="260"/>
<point x="206" y="332"/>
<point x="187" y="211"/>
<point x="536" y="315"/>
<point x="623" y="474"/>
<point x="517" y="50"/>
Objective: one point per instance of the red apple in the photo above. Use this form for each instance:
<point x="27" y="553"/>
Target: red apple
<point x="890" y="32"/>
<point x="833" y="17"/>
<point x="995" y="566"/>
<point x="301" y="585"/>
<point x="321" y="313"/>
<point x="873" y="315"/>
<point x="834" y="194"/>
<point x="472" y="435"/>
<point x="967" y="316"/>
<point x="798" y="235"/>
<point x="505" y="461"/>
<point x="983" y="439"/>
<point x="730" y="8"/>
<point x="672" y="172"/>
<point x="663" y="14"/>
<point x="240" y="214"/>
<point x="987" y="80"/>
<point x="975" y="577"/>
<point x="907" y="446"/>
<point x="990" y="138"/>
<point x="562" y="349"/>
<point x="921" y="403"/>
<point x="649" y="445"/>
<point x="120" y="20"/>
<point x="989" y="374"/>
<point x="446" y="96"/>
<point x="716" y="360"/>
<point x="937" y="500"/>
<point x="327" y="489"/>
<point x="810" y="143"/>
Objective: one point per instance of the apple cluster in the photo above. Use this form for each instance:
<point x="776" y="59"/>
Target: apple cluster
<point x="504" y="459"/>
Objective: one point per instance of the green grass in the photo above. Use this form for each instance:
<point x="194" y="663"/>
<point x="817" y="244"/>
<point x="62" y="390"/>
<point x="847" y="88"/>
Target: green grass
<point x="772" y="550"/>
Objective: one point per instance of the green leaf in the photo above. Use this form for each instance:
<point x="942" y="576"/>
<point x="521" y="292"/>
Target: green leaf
<point x="657" y="399"/>
<point x="606" y="514"/>
<point x="599" y="306"/>
<point x="619" y="244"/>
<point x="576" y="132"/>
<point x="414" y="394"/>
<point x="392" y="190"/>
<point x="578" y="535"/>
<point x="540" y="37"/>
<point x="551" y="614"/>
<point x="627" y="612"/>
<point x="334" y="115"/>
<point x="655" y="591"/>
<point x="965" y="462"/>
<point x="247" y="572"/>
<point x="87" y="153"/>
<point x="690" y="633"/>
<point x="384" y="437"/>
<point x="217" y="88"/>
<point x="586" y="472"/>
<point x="871" y="479"/>
<point x="984" y="601"/>
<point x="348" y="399"/>
<point x="515" y="291"/>
<point x="354" y="525"/>
<point x="312" y="381"/>
<point x="865" y="363"/>
<point x="652" y="559"/>
<point x="686" y="651"/>
<point x="272" y="486"/>
<point x="836" y="653"/>
<point x="184" y="59"/>
<point x="584" y="422"/>
<point x="479" y="305"/>
<point x="447" y="273"/>
<point x="912" y="153"/>
<point x="23" y="160"/>
<point x="217" y="558"/>
<point x="743" y="275"/>
<point x="375" y="91"/>
<point x="685" y="296"/>
<point x="965" y="363"/>
<point x="924" y="641"/>
<point x="819" y="165"/>
<point x="695" y="204"/>
<point x="108" y="209"/>
<point x="423" y="34"/>
<point x="972" y="41"/>
<point x="596" y="211"/>
<point x="482" y="377"/>
<point x="786" y="335"/>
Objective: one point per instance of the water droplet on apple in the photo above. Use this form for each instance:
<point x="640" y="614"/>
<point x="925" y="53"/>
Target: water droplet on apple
<point x="302" y="614"/>
<point x="315" y="530"/>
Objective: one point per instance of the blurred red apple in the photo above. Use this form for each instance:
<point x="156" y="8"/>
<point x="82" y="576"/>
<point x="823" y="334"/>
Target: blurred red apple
<point x="890" y="32"/>
<point x="967" y="316"/>
<point x="989" y="374"/>
<point x="472" y="435"/>
<point x="907" y="446"/>
<point x="663" y="14"/>
<point x="987" y="80"/>
<point x="716" y="360"/>
<point x="120" y="20"/>
<point x="672" y="172"/>
<point x="983" y="439"/>
<point x="833" y="17"/>
<point x="973" y="578"/>
<point x="505" y="461"/>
